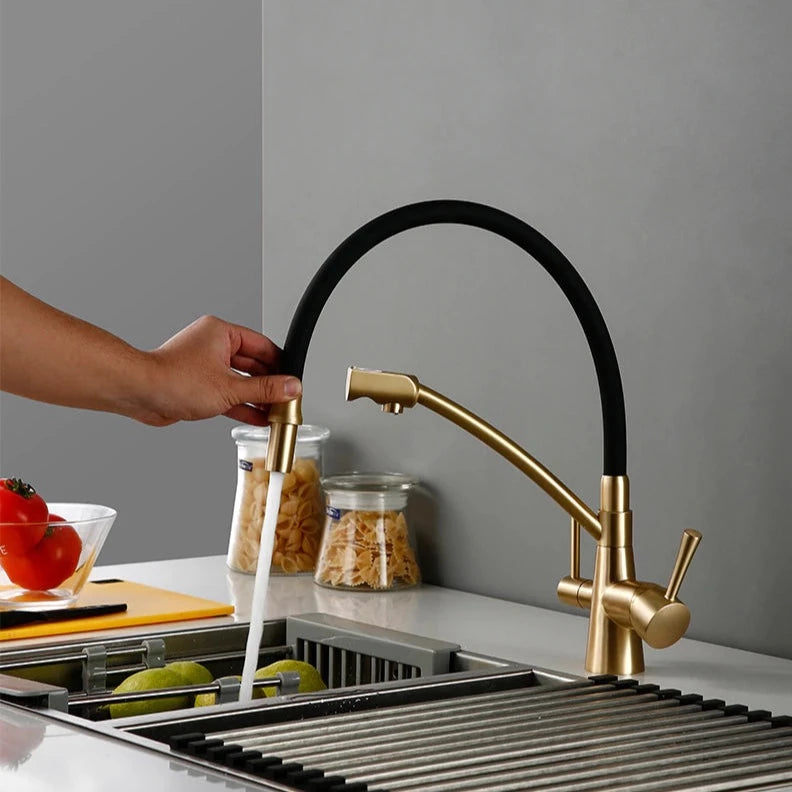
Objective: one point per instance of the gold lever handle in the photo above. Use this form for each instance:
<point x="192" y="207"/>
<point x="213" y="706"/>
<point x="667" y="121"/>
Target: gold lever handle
<point x="656" y="615"/>
<point x="574" y="552"/>
<point x="690" y="541"/>
<point x="573" y="589"/>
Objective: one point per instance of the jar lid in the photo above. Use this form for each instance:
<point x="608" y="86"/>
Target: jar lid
<point x="368" y="491"/>
<point x="260" y="434"/>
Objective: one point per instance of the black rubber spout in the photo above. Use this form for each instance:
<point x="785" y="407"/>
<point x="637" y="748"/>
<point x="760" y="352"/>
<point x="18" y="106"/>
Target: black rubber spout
<point x="521" y="234"/>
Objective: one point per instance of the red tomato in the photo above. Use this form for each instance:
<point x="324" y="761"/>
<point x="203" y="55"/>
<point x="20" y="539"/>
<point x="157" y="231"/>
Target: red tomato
<point x="50" y="562"/>
<point x="20" y="505"/>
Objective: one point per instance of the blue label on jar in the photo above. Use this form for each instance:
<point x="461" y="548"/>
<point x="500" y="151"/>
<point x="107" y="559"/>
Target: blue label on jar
<point x="246" y="464"/>
<point x="334" y="513"/>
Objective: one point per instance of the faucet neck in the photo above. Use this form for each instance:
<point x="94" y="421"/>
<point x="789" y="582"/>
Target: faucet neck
<point x="505" y="225"/>
<point x="615" y="493"/>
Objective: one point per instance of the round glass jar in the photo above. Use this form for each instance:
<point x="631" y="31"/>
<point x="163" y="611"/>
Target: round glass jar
<point x="301" y="514"/>
<point x="367" y="544"/>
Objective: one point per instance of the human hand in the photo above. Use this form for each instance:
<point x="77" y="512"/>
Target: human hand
<point x="196" y="374"/>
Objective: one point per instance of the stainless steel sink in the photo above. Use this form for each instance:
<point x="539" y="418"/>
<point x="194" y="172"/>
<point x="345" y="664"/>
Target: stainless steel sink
<point x="77" y="678"/>
<point x="408" y="713"/>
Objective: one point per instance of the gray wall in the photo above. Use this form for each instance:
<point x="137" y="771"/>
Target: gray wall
<point x="131" y="197"/>
<point x="649" y="141"/>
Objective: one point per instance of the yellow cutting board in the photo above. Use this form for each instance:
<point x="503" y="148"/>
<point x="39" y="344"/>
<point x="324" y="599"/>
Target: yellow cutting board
<point x="145" y="605"/>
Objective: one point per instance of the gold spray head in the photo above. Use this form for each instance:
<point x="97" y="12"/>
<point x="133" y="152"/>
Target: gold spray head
<point x="284" y="420"/>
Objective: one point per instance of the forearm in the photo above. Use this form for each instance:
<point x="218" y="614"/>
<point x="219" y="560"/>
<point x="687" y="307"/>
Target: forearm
<point x="50" y="356"/>
<point x="211" y="367"/>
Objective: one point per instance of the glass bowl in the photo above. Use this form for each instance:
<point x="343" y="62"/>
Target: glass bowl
<point x="53" y="572"/>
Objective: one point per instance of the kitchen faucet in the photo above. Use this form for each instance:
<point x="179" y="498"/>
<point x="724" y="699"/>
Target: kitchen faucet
<point x="623" y="610"/>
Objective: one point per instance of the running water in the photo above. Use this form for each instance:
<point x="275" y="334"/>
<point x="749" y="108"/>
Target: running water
<point x="260" y="586"/>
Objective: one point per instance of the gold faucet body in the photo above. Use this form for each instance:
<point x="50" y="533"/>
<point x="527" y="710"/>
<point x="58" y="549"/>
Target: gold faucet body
<point x="624" y="612"/>
<point x="612" y="647"/>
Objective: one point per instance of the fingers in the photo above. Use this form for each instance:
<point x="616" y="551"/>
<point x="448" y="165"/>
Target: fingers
<point x="254" y="345"/>
<point x="249" y="415"/>
<point x="250" y="366"/>
<point x="266" y="390"/>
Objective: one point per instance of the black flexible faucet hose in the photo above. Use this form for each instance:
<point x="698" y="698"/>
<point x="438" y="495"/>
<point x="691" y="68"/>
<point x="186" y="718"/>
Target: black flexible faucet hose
<point x="521" y="234"/>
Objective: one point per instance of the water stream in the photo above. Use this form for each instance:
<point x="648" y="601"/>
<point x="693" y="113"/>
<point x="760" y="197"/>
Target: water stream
<point x="271" y="509"/>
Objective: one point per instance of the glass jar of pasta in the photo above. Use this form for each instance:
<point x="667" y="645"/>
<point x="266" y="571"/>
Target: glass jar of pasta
<point x="301" y="514"/>
<point x="367" y="544"/>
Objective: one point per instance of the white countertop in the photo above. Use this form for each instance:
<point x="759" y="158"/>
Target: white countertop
<point x="539" y="637"/>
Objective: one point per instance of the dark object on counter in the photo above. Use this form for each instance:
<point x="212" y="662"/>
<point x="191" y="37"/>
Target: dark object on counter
<point x="20" y="618"/>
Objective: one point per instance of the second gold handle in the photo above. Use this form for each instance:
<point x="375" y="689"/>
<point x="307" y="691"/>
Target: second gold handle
<point x="690" y="541"/>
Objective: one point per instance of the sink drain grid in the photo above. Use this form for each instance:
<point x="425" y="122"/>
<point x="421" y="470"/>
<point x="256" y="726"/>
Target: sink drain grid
<point x="596" y="734"/>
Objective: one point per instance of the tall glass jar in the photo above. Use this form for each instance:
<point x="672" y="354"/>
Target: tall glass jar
<point x="301" y="515"/>
<point x="367" y="543"/>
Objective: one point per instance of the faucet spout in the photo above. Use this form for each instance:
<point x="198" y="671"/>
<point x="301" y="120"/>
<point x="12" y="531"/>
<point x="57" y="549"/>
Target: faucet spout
<point x="387" y="388"/>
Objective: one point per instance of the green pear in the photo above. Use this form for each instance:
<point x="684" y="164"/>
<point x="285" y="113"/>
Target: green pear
<point x="150" y="679"/>
<point x="192" y="673"/>
<point x="310" y="680"/>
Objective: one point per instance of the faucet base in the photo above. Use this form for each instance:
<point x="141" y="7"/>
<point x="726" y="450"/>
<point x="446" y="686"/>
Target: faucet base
<point x="613" y="649"/>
